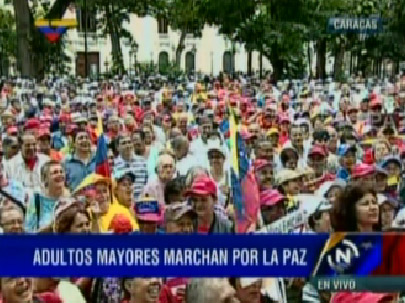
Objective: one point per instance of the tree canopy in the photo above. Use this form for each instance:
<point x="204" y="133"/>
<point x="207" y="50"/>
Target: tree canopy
<point x="282" y="31"/>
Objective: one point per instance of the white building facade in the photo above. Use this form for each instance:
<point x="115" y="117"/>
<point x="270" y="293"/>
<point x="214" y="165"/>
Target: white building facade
<point x="211" y="54"/>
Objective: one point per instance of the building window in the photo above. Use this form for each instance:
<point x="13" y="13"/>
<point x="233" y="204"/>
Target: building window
<point x="162" y="26"/>
<point x="190" y="62"/>
<point x="163" y="62"/>
<point x="228" y="62"/>
<point x="91" y="21"/>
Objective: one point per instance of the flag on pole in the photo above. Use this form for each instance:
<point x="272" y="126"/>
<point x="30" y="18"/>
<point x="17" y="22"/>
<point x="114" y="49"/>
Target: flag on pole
<point x="99" y="129"/>
<point x="102" y="167"/>
<point x="245" y="191"/>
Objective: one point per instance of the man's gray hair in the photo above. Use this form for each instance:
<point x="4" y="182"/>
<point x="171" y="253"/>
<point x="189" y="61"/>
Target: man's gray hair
<point x="204" y="290"/>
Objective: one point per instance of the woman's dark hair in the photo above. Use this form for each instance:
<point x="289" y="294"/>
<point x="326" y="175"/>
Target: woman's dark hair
<point x="344" y="212"/>
<point x="173" y="188"/>
<point x="285" y="155"/>
<point x="65" y="220"/>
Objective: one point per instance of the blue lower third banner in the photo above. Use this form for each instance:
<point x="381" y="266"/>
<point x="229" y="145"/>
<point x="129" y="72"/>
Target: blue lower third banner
<point x="274" y="255"/>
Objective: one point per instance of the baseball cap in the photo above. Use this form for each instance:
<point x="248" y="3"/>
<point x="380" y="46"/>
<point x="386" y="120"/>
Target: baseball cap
<point x="272" y="131"/>
<point x="120" y="224"/>
<point x="64" y="204"/>
<point x="270" y="197"/>
<point x="148" y="209"/>
<point x="326" y="187"/>
<point x="32" y="123"/>
<point x="317" y="150"/>
<point x="215" y="145"/>
<point x="362" y="170"/>
<point x="12" y="131"/>
<point x="175" y="211"/>
<point x="286" y="175"/>
<point x="387" y="199"/>
<point x="391" y="159"/>
<point x="202" y="186"/>
<point x="119" y="174"/>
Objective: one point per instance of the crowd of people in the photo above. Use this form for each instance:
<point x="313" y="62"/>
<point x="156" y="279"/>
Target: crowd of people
<point x="333" y="153"/>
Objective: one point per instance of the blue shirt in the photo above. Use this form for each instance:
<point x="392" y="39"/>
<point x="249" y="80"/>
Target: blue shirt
<point x="76" y="171"/>
<point x="343" y="174"/>
<point x="46" y="213"/>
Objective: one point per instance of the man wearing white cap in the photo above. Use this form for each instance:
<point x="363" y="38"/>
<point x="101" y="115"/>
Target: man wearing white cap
<point x="218" y="168"/>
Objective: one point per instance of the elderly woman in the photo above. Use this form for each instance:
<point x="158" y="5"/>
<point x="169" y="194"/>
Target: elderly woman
<point x="41" y="206"/>
<point x="71" y="216"/>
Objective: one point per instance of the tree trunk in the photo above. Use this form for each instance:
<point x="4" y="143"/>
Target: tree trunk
<point x="261" y="64"/>
<point x="24" y="37"/>
<point x="249" y="63"/>
<point x="309" y="60"/>
<point x="58" y="9"/>
<point x="338" y="67"/>
<point x="180" y="47"/>
<point x="276" y="63"/>
<point x="31" y="44"/>
<point x="320" y="59"/>
<point x="113" y="29"/>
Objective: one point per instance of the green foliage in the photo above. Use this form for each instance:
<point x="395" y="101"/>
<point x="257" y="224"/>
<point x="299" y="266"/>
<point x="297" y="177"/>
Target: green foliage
<point x="8" y="35"/>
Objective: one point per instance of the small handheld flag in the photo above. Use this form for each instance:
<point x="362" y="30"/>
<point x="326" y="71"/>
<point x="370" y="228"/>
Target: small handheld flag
<point x="102" y="167"/>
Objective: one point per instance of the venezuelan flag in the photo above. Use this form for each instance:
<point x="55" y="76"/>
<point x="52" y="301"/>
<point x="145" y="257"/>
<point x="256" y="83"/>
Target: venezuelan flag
<point x="52" y="34"/>
<point x="244" y="186"/>
<point x="102" y="167"/>
<point x="99" y="129"/>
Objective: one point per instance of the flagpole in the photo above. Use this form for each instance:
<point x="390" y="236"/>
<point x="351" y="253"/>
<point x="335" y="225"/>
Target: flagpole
<point x="85" y="38"/>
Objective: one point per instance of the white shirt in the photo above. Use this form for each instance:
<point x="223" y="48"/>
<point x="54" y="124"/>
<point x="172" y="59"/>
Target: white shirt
<point x="16" y="169"/>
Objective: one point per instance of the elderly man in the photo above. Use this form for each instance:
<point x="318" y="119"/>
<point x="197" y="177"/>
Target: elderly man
<point x="11" y="219"/>
<point x="165" y="170"/>
<point x="81" y="163"/>
<point x="17" y="290"/>
<point x="203" y="194"/>
<point x="134" y="162"/>
<point x="25" y="167"/>
<point x="210" y="291"/>
<point x="143" y="290"/>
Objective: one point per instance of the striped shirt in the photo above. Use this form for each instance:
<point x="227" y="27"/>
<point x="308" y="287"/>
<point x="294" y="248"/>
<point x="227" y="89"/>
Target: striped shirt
<point x="138" y="166"/>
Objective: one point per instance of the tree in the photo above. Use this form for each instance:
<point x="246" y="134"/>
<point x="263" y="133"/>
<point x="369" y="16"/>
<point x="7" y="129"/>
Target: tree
<point x="185" y="16"/>
<point x="32" y="47"/>
<point x="112" y="20"/>
<point x="238" y="20"/>
<point x="8" y="39"/>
